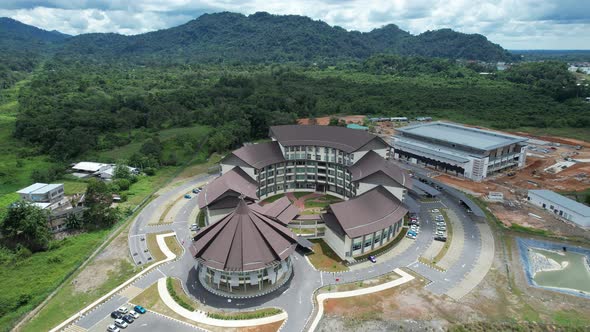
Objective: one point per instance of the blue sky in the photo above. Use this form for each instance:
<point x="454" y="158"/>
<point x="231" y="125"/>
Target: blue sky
<point x="514" y="24"/>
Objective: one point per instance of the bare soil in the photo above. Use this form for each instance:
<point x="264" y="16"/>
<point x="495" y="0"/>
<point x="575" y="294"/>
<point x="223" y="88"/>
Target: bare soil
<point x="111" y="258"/>
<point x="501" y="301"/>
<point x="324" y="121"/>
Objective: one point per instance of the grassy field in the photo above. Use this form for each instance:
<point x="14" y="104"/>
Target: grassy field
<point x="22" y="282"/>
<point x="576" y="133"/>
<point x="64" y="304"/>
<point x="17" y="161"/>
<point x="173" y="141"/>
<point x="324" y="258"/>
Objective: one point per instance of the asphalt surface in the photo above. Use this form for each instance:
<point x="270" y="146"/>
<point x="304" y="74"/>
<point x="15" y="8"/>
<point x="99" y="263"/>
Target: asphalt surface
<point x="295" y="297"/>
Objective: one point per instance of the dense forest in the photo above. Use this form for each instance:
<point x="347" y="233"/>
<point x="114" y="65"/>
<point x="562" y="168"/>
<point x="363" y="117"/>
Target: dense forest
<point x="67" y="100"/>
<point x="241" y="74"/>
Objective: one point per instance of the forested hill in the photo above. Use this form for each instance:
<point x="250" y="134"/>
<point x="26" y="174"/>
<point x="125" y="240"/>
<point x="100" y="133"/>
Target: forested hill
<point x="19" y="37"/>
<point x="231" y="37"/>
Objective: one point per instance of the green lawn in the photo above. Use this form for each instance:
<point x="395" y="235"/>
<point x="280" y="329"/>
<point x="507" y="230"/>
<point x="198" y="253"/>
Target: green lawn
<point x="28" y="281"/>
<point x="273" y="198"/>
<point x="324" y="258"/>
<point x="321" y="202"/>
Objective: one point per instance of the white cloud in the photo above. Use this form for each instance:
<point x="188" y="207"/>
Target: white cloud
<point x="511" y="23"/>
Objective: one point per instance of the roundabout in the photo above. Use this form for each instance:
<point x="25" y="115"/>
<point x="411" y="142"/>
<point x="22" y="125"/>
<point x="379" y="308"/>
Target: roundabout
<point x="248" y="258"/>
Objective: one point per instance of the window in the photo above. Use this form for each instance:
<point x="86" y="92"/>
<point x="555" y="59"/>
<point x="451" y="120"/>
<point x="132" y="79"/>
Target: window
<point x="368" y="242"/>
<point x="356" y="245"/>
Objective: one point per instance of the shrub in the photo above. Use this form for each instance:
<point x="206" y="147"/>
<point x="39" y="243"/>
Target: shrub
<point x="175" y="296"/>
<point x="246" y="315"/>
<point x="149" y="171"/>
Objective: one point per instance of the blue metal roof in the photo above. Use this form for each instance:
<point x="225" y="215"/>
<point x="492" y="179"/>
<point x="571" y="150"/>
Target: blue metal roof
<point x="433" y="151"/>
<point x="461" y="135"/>
<point x="563" y="201"/>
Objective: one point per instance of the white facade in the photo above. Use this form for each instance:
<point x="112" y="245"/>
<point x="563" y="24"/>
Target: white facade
<point x="562" y="207"/>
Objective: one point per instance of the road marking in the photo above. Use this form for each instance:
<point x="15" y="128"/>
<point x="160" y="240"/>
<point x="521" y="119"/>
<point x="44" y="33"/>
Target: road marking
<point x="322" y="277"/>
<point x="137" y="235"/>
<point x="162" y="272"/>
<point x="463" y="265"/>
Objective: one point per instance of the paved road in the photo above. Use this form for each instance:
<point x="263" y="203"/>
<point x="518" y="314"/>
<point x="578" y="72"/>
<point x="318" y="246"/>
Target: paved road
<point x="295" y="296"/>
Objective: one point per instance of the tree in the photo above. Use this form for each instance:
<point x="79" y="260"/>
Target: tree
<point x="122" y="172"/>
<point x="26" y="225"/>
<point x="73" y="221"/>
<point x="98" y="213"/>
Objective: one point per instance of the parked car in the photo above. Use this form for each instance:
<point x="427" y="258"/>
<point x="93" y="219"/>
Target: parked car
<point x="410" y="236"/>
<point x="187" y="196"/>
<point x="123" y="310"/>
<point x="116" y="315"/>
<point x="112" y="328"/>
<point x="412" y="233"/>
<point x="435" y="211"/>
<point x="373" y="259"/>
<point x="139" y="309"/>
<point x="121" y="323"/>
<point x="194" y="227"/>
<point x="134" y="314"/>
<point x="441" y="228"/>
<point x="440" y="233"/>
<point x="440" y="238"/>
<point x="195" y="191"/>
<point x="128" y="319"/>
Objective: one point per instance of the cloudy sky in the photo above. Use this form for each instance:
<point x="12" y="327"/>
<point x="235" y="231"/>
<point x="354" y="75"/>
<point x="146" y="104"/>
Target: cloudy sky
<point x="514" y="24"/>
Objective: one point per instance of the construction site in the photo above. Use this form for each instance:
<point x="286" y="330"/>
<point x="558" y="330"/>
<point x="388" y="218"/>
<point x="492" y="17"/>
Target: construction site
<point x="554" y="163"/>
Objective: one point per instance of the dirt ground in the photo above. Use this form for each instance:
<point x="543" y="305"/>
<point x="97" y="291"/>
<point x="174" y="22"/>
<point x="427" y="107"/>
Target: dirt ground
<point x="324" y="121"/>
<point x="109" y="260"/>
<point x="503" y="297"/>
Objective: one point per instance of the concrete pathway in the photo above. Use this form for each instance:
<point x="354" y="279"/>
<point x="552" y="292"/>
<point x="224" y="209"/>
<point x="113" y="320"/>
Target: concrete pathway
<point x="201" y="317"/>
<point x="404" y="277"/>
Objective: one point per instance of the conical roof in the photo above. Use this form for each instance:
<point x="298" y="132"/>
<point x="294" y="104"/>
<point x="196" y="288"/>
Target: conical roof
<point x="244" y="240"/>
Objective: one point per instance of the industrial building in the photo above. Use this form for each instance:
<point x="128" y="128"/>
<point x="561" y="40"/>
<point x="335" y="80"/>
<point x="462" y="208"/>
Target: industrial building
<point x="561" y="206"/>
<point x="459" y="150"/>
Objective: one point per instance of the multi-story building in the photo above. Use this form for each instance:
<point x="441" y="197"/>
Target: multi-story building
<point x="346" y="163"/>
<point x="463" y="151"/>
<point x="40" y="193"/>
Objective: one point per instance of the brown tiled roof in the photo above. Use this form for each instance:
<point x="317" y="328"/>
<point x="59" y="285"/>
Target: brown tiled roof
<point x="372" y="163"/>
<point x="374" y="210"/>
<point x="281" y="209"/>
<point x="260" y="155"/>
<point x="244" y="240"/>
<point x="235" y="182"/>
<point x="348" y="140"/>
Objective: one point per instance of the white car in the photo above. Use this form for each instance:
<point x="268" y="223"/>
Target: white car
<point x="112" y="328"/>
<point x="411" y="236"/>
<point x="123" y="310"/>
<point x="134" y="314"/>
<point x="435" y="211"/>
<point x="121" y="323"/>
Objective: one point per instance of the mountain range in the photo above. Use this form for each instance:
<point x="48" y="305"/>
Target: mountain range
<point x="260" y="37"/>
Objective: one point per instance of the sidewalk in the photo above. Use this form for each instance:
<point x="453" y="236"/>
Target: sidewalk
<point x="405" y="277"/>
<point x="201" y="317"/>
<point x="169" y="256"/>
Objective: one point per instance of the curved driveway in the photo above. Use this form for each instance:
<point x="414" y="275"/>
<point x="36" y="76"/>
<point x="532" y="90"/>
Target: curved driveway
<point x="295" y="297"/>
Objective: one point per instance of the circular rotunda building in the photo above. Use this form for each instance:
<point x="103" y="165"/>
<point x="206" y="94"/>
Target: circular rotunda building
<point x="244" y="254"/>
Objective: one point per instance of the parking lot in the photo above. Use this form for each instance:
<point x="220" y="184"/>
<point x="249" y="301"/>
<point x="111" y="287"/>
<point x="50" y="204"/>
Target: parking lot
<point x="148" y="322"/>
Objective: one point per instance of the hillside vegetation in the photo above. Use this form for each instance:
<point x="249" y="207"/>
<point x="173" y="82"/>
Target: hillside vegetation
<point x="260" y="37"/>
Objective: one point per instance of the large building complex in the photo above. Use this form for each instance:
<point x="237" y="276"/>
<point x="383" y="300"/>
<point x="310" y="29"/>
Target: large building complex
<point x="346" y="163"/>
<point x="246" y="253"/>
<point x="561" y="206"/>
<point x="465" y="151"/>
